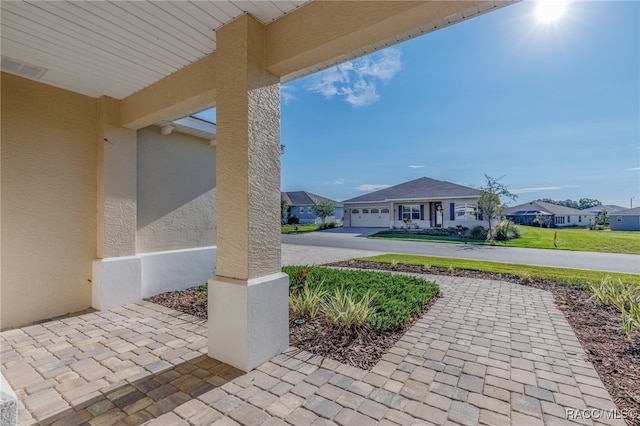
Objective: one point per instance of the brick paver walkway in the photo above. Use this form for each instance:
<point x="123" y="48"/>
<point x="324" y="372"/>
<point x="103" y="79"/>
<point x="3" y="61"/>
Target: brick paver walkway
<point x="488" y="352"/>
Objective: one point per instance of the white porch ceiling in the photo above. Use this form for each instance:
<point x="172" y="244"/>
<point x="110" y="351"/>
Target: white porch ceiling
<point x="116" y="48"/>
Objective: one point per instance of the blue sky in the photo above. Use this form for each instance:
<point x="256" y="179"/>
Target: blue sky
<point x="552" y="107"/>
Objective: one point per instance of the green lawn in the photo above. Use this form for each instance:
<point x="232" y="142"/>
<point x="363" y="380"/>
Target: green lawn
<point x="578" y="239"/>
<point x="575" y="277"/>
<point x="302" y="229"/>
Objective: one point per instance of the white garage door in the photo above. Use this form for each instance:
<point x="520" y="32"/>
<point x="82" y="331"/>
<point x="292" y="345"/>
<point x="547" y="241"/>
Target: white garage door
<point x="370" y="218"/>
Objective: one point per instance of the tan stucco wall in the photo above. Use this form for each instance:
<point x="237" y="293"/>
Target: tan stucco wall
<point x="176" y="191"/>
<point x="48" y="200"/>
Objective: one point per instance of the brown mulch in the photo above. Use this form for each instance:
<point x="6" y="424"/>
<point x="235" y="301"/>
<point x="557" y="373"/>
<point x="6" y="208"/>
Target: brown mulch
<point x="597" y="328"/>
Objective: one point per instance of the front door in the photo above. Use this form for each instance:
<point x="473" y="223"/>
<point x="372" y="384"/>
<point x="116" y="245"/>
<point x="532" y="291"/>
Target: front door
<point x="437" y="215"/>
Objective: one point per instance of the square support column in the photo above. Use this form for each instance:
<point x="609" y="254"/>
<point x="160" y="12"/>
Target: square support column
<point x="248" y="296"/>
<point x="116" y="271"/>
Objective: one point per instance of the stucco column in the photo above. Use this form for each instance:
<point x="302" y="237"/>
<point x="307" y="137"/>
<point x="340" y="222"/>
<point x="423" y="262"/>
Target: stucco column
<point x="116" y="271"/>
<point x="248" y="296"/>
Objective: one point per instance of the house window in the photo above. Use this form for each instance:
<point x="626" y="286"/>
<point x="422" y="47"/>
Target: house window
<point x="301" y="210"/>
<point x="411" y="212"/>
<point x="364" y="211"/>
<point x="559" y="220"/>
<point x="355" y="211"/>
<point x="375" y="211"/>
<point x="309" y="209"/>
<point x="568" y="219"/>
<point x="384" y="211"/>
<point x="466" y="211"/>
<point x="619" y="218"/>
<point x="579" y="218"/>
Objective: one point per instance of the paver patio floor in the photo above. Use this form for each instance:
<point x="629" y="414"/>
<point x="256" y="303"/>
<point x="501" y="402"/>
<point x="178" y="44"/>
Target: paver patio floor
<point x="488" y="352"/>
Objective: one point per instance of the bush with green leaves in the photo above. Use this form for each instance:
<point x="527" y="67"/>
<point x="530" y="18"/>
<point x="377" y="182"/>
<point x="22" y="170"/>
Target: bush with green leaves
<point x="397" y="296"/>
<point x="505" y="231"/>
<point x="478" y="233"/>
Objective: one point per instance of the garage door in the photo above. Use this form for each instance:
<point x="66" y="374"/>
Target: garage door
<point x="370" y="218"/>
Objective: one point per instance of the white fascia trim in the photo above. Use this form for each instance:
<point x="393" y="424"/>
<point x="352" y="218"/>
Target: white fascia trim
<point x="197" y="124"/>
<point x="413" y="200"/>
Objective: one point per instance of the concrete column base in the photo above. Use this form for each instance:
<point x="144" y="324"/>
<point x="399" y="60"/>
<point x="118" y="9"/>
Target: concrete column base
<point x="8" y="404"/>
<point x="248" y="320"/>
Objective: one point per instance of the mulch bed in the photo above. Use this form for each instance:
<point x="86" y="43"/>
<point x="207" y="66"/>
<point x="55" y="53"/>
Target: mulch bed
<point x="597" y="328"/>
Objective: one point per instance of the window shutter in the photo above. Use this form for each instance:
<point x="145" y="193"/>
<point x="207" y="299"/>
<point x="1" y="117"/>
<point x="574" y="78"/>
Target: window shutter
<point x="399" y="212"/>
<point x="480" y="215"/>
<point x="452" y="211"/>
<point x="421" y="211"/>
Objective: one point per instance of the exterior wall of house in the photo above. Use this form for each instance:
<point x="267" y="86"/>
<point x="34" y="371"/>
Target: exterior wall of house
<point x="392" y="219"/>
<point x="624" y="223"/>
<point x="306" y="215"/>
<point x="564" y="221"/>
<point x="176" y="192"/>
<point x="448" y="219"/>
<point x="48" y="201"/>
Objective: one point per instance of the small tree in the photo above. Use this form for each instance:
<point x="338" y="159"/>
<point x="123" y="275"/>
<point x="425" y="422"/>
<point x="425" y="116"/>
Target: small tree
<point x="542" y="219"/>
<point x="603" y="218"/>
<point x="323" y="209"/>
<point x="490" y="204"/>
<point x="284" y="209"/>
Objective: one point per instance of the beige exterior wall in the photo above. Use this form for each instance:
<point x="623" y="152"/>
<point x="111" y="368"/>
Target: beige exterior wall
<point x="176" y="191"/>
<point x="48" y="200"/>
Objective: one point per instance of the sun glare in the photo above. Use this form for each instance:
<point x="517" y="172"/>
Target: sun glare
<point x="550" y="10"/>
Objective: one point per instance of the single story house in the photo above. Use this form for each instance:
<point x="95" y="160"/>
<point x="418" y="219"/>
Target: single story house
<point x="552" y="215"/>
<point x="625" y="220"/>
<point x="423" y="202"/>
<point x="301" y="206"/>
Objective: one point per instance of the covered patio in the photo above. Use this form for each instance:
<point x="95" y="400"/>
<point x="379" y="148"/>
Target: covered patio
<point x="81" y="78"/>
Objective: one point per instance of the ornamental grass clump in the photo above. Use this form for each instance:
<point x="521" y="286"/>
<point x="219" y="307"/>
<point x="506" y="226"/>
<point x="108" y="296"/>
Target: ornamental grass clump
<point x="306" y="302"/>
<point x="625" y="297"/>
<point x="348" y="311"/>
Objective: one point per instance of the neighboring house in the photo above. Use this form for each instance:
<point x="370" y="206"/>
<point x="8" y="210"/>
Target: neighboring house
<point x="425" y="202"/>
<point x="301" y="206"/>
<point x="551" y="214"/>
<point x="611" y="208"/>
<point x="625" y="220"/>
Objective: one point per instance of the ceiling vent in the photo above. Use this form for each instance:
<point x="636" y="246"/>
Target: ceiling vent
<point x="22" y="68"/>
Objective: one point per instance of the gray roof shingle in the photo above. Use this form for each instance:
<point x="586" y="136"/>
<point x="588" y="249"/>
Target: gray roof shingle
<point x="304" y="198"/>
<point x="544" y="208"/>
<point x="421" y="188"/>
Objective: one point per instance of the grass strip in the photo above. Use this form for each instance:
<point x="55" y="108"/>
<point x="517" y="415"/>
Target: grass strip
<point x="578" y="278"/>
<point x="576" y="239"/>
<point x="301" y="229"/>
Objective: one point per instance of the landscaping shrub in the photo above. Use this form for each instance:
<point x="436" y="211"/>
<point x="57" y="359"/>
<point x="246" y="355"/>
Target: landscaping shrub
<point x="505" y="231"/>
<point x="625" y="297"/>
<point x="397" y="296"/>
<point x="478" y="233"/>
<point x="348" y="311"/>
<point x="293" y="220"/>
<point x="306" y="302"/>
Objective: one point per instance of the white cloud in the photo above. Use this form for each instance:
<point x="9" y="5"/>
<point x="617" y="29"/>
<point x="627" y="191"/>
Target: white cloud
<point x="416" y="166"/>
<point x="538" y="189"/>
<point x="370" y="187"/>
<point x="633" y="169"/>
<point x="356" y="81"/>
<point x="286" y="94"/>
<point x="338" y="182"/>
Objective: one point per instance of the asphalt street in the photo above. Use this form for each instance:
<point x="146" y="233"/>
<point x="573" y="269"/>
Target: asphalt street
<point x="355" y="239"/>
